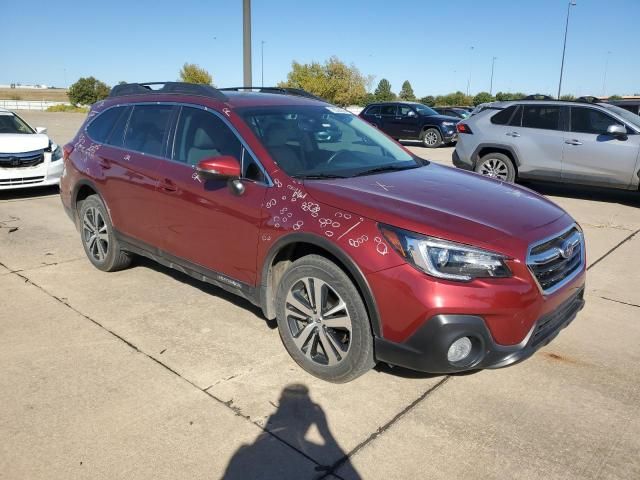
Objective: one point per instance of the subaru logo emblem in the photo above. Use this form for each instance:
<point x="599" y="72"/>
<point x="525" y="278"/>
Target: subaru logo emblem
<point x="567" y="248"/>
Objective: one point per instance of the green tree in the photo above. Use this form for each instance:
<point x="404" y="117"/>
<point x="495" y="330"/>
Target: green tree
<point x="406" y="92"/>
<point x="192" y="73"/>
<point x="383" y="91"/>
<point x="87" y="90"/>
<point x="333" y="80"/>
<point x="482" y="97"/>
<point x="506" y="96"/>
<point x="615" y="97"/>
<point x="568" y="97"/>
<point x="453" y="99"/>
<point x="429" y="100"/>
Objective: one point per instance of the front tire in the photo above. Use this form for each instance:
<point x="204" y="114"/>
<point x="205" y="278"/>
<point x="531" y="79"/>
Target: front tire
<point x="431" y="138"/>
<point x="322" y="320"/>
<point x="98" y="240"/>
<point x="497" y="165"/>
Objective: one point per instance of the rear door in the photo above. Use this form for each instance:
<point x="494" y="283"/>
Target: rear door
<point x="372" y="115"/>
<point x="388" y="114"/>
<point x="134" y="163"/>
<point x="204" y="221"/>
<point x="592" y="156"/>
<point x="537" y="136"/>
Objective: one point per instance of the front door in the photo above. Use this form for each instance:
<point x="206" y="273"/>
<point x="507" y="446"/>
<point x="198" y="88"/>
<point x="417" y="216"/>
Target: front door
<point x="205" y="222"/>
<point x="405" y="123"/>
<point x="592" y="156"/>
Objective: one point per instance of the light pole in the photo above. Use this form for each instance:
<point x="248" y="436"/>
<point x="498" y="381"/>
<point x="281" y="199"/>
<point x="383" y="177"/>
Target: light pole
<point x="470" y="68"/>
<point x="493" y="63"/>
<point x="571" y="3"/>
<point x="262" y="63"/>
<point x="604" y="79"/>
<point x="246" y="42"/>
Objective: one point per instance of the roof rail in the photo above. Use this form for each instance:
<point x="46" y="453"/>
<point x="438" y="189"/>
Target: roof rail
<point x="280" y="90"/>
<point x="167" y="87"/>
<point x="588" y="99"/>
<point x="538" y="96"/>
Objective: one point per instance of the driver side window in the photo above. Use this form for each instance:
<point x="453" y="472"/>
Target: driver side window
<point x="201" y="135"/>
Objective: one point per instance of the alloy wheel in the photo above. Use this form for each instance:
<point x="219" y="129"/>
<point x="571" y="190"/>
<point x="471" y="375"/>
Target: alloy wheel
<point x="494" y="168"/>
<point x="431" y="138"/>
<point x="319" y="321"/>
<point x="95" y="234"/>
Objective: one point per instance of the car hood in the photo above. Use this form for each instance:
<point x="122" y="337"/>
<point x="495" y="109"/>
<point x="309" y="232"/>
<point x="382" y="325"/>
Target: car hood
<point x="443" y="118"/>
<point x="448" y="203"/>
<point x="22" y="142"/>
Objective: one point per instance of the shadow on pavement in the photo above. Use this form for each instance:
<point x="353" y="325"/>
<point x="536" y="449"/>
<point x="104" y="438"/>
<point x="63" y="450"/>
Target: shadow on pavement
<point x="296" y="414"/>
<point x="630" y="198"/>
<point x="29" y="193"/>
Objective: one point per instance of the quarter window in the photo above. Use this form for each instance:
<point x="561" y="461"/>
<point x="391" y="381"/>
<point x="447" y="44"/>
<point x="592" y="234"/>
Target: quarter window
<point x="546" y="117"/>
<point x="100" y="128"/>
<point x="147" y="129"/>
<point x="503" y="116"/>
<point x="590" y="120"/>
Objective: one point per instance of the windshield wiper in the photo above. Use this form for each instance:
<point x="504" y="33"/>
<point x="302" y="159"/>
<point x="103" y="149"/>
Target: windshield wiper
<point x="385" y="168"/>
<point x="316" y="176"/>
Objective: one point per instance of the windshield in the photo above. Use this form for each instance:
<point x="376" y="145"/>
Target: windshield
<point x="626" y="114"/>
<point x="10" y="123"/>
<point x="424" y="110"/>
<point x="324" y="141"/>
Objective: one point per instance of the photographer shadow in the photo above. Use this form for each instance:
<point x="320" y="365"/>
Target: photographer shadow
<point x="296" y="414"/>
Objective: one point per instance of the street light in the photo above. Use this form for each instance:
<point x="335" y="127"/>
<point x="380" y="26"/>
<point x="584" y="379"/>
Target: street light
<point x="604" y="79"/>
<point x="493" y="63"/>
<point x="262" y="63"/>
<point x="572" y="3"/>
<point x="246" y="43"/>
<point x="470" y="67"/>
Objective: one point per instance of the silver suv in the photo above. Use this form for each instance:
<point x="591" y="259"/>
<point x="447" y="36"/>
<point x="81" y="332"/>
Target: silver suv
<point x="572" y="142"/>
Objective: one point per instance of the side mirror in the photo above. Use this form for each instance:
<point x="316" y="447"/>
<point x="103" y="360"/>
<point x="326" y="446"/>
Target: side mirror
<point x="41" y="129"/>
<point x="224" y="166"/>
<point x="411" y="114"/>
<point x="618" y="131"/>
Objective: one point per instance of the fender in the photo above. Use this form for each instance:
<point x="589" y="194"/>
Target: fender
<point x="475" y="155"/>
<point x="350" y="265"/>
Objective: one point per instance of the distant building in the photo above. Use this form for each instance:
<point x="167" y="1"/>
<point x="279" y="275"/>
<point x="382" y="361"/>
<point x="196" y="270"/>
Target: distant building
<point x="25" y="86"/>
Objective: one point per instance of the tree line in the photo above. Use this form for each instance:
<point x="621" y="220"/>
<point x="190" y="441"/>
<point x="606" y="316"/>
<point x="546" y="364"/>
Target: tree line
<point x="333" y="80"/>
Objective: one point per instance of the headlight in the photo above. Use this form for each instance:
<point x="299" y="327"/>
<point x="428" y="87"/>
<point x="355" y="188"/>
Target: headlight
<point x="56" y="152"/>
<point x="448" y="124"/>
<point x="444" y="259"/>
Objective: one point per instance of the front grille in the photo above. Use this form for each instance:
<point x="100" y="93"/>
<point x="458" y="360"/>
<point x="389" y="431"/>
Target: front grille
<point x="555" y="261"/>
<point x="550" y="323"/>
<point x="21" y="160"/>
<point x="20" y="181"/>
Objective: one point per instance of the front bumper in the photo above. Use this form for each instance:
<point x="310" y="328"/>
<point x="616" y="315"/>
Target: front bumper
<point x="426" y="350"/>
<point x="450" y="136"/>
<point x="47" y="173"/>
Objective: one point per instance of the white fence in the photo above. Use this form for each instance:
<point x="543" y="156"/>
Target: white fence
<point x="28" y="105"/>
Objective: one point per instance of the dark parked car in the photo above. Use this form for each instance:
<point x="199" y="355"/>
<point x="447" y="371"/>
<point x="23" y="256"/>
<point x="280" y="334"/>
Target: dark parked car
<point x="361" y="250"/>
<point x="412" y="121"/>
<point x="459" y="113"/>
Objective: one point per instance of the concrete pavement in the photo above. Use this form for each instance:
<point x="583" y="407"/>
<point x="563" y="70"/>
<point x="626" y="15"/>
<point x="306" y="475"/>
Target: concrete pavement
<point x="146" y="373"/>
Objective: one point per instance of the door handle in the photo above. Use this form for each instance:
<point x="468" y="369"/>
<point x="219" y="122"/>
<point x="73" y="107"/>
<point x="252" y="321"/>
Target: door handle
<point x="513" y="134"/>
<point x="104" y="163"/>
<point x="573" y="142"/>
<point x="168" y="186"/>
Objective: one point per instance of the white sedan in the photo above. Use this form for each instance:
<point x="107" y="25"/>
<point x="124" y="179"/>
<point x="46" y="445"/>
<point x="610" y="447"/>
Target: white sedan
<point x="27" y="157"/>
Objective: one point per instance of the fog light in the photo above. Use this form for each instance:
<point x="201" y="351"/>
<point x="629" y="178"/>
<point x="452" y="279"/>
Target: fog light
<point x="459" y="350"/>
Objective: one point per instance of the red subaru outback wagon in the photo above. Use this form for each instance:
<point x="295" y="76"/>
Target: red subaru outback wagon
<point x="362" y="251"/>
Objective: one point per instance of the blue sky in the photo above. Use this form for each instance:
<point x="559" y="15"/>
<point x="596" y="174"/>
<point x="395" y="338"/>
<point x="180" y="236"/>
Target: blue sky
<point x="425" y="41"/>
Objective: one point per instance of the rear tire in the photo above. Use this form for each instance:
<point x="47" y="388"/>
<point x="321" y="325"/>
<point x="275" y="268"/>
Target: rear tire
<point x="99" y="242"/>
<point x="322" y="320"/>
<point x="431" y="138"/>
<point x="497" y="165"/>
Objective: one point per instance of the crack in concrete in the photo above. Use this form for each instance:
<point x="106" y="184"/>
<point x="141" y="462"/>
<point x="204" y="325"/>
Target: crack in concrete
<point x="620" y="301"/>
<point x="383" y="428"/>
<point x="228" y="404"/>
<point x="613" y="249"/>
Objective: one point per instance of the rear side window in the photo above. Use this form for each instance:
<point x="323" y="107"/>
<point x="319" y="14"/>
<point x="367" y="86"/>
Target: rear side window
<point x="503" y="117"/>
<point x="375" y="110"/>
<point x="546" y="117"/>
<point x="147" y="129"/>
<point x="100" y="128"/>
<point x="590" y="120"/>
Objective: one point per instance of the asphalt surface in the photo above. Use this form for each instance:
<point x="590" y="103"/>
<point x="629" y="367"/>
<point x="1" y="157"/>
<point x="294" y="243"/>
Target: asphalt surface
<point x="146" y="373"/>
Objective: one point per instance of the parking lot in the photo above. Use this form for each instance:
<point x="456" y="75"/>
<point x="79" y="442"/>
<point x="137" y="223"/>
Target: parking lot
<point x="149" y="373"/>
